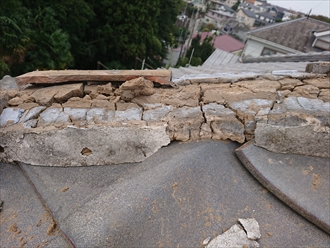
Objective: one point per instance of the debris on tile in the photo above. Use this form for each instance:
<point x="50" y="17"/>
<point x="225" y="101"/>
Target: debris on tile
<point x="251" y="227"/>
<point x="234" y="237"/>
<point x="65" y="189"/>
<point x="206" y="241"/>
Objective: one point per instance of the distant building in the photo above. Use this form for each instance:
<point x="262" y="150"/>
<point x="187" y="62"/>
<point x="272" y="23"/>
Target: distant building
<point x="217" y="3"/>
<point x="224" y="42"/>
<point x="220" y="16"/>
<point x="297" y="36"/>
<point x="254" y="19"/>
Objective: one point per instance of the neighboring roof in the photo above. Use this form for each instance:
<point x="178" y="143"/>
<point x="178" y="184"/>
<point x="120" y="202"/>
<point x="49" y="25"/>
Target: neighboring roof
<point x="309" y="57"/>
<point x="228" y="8"/>
<point x="296" y="34"/>
<point x="221" y="57"/>
<point x="265" y="14"/>
<point x="224" y="42"/>
<point x="279" y="8"/>
<point x="249" y="13"/>
<point x="249" y="5"/>
<point x="227" y="43"/>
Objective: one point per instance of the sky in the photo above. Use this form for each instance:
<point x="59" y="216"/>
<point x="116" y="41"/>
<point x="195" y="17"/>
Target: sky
<point x="319" y="7"/>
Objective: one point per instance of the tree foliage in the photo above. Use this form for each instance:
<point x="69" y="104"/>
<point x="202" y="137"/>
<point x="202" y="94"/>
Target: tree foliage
<point x="46" y="34"/>
<point x="321" y="18"/>
<point x="235" y="6"/>
<point x="199" y="51"/>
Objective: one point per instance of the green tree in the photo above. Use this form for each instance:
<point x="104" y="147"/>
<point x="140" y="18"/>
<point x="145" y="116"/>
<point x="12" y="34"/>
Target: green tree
<point x="208" y="27"/>
<point x="47" y="34"/>
<point x="200" y="51"/>
<point x="321" y="18"/>
<point x="14" y="39"/>
<point x="235" y="6"/>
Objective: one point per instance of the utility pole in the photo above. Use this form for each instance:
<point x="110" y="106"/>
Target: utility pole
<point x="184" y="36"/>
<point x="191" y="33"/>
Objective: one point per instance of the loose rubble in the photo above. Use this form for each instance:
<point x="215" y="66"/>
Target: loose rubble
<point x="251" y="227"/>
<point x="270" y="109"/>
<point x="237" y="237"/>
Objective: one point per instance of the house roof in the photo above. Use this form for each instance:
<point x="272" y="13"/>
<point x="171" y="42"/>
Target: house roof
<point x="220" y="57"/>
<point x="228" y="8"/>
<point x="265" y="14"/>
<point x="296" y="34"/>
<point x="224" y="42"/>
<point x="227" y="43"/>
<point x="249" y="13"/>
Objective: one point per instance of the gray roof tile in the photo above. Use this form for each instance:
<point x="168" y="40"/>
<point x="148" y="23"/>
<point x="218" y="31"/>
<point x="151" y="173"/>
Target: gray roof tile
<point x="296" y="34"/>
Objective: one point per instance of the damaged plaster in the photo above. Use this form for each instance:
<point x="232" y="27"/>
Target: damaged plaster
<point x="258" y="106"/>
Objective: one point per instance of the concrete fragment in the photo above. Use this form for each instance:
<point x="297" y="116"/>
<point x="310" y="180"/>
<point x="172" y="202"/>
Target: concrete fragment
<point x="289" y="83"/>
<point x="102" y="97"/>
<point x="240" y="91"/>
<point x="318" y="67"/>
<point x="45" y="96"/>
<point x="99" y="115"/>
<point x="308" y="91"/>
<point x="183" y="96"/>
<point x="156" y="114"/>
<point x="91" y="90"/>
<point x="105" y="89"/>
<point x="251" y="227"/>
<point x="215" y="112"/>
<point x="4" y="98"/>
<point x="206" y="241"/>
<point x="10" y="116"/>
<point x="76" y="102"/>
<point x="206" y="131"/>
<point x="176" y="97"/>
<point x="306" y="139"/>
<point x="223" y="123"/>
<point x="184" y="123"/>
<point x="250" y="107"/>
<point x="234" y="237"/>
<point x="129" y="114"/>
<point x="53" y="115"/>
<point x="321" y="83"/>
<point x="136" y="87"/>
<point x="103" y="104"/>
<point x="61" y="76"/>
<point x="76" y="114"/>
<point x="324" y="95"/>
<point x="28" y="105"/>
<point x="67" y="91"/>
<point x="20" y="100"/>
<point x="108" y="145"/>
<point x="231" y="129"/>
<point x="30" y="123"/>
<point x="32" y="113"/>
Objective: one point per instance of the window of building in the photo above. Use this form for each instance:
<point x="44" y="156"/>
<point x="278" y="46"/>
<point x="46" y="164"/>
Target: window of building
<point x="241" y="18"/>
<point x="267" y="51"/>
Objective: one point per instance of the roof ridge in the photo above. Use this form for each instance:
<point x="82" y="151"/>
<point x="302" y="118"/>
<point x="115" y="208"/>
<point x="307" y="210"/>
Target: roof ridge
<point x="276" y="25"/>
<point x="287" y="22"/>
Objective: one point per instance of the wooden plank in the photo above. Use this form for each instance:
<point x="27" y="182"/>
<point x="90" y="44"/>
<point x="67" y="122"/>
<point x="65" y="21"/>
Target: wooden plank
<point x="62" y="76"/>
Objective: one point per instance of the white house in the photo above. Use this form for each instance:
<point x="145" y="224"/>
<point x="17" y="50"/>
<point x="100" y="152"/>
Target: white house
<point x="298" y="36"/>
